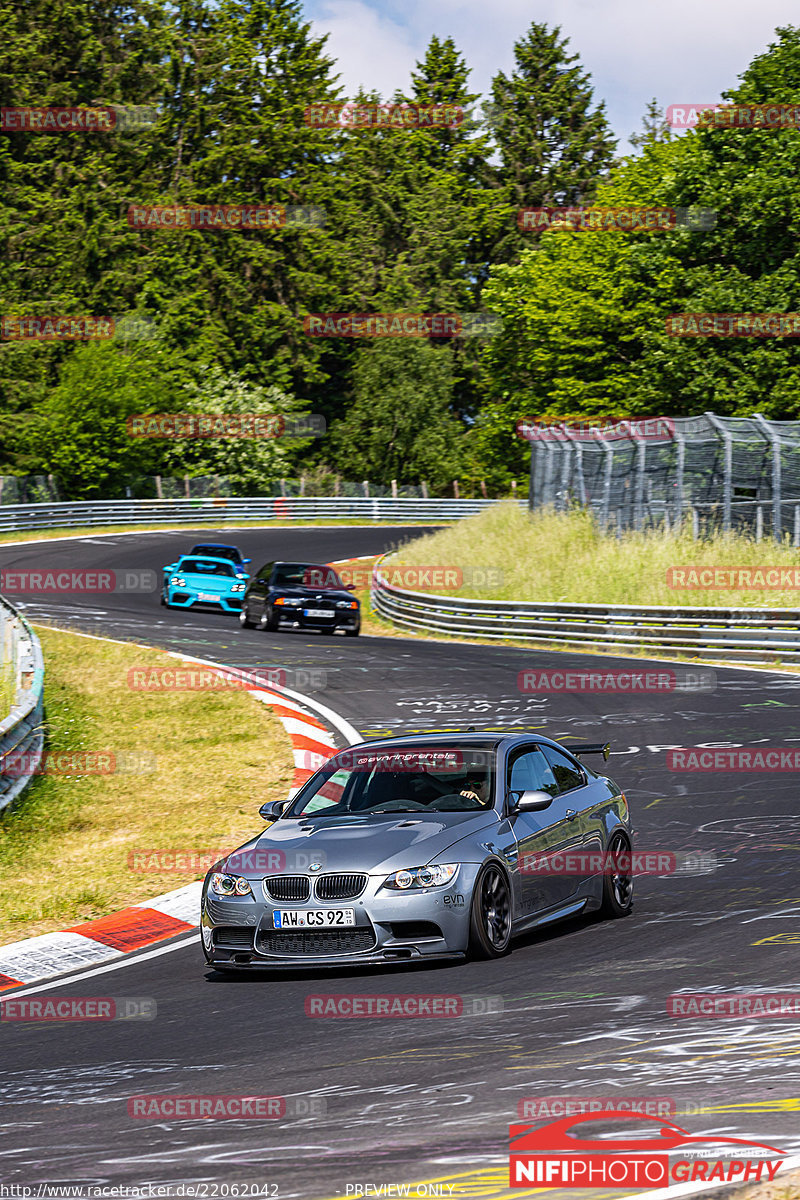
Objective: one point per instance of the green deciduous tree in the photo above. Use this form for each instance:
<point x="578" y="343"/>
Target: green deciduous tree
<point x="399" y="425"/>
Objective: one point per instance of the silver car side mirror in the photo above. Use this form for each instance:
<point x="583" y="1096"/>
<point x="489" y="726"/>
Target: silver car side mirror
<point x="533" y="801"/>
<point x="271" y="811"/>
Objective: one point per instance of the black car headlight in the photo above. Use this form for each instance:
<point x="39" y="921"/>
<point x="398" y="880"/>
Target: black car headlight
<point x="347" y="604"/>
<point x="421" y="877"/>
<point x="229" y="885"/>
<point x="289" y="603"/>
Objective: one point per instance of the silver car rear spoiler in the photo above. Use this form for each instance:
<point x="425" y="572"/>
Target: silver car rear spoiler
<point x="603" y="748"/>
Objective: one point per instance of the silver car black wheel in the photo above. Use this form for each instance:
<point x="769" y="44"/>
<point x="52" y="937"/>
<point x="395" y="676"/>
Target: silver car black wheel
<point x="618" y="884"/>
<point x="490" y="923"/>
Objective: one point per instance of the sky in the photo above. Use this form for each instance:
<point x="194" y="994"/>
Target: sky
<point x="676" y="50"/>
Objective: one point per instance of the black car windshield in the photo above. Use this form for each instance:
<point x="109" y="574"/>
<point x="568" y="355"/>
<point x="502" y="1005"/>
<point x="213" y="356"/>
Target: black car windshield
<point x="218" y="552"/>
<point x="308" y="575"/>
<point x="202" y="566"/>
<point x="399" y="780"/>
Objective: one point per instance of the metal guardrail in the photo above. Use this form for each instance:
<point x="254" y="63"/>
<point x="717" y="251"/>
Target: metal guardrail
<point x="746" y="635"/>
<point x="22" y="731"/>
<point x="223" y="509"/>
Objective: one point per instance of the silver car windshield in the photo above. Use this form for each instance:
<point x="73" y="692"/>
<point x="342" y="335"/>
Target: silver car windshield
<point x="401" y="781"/>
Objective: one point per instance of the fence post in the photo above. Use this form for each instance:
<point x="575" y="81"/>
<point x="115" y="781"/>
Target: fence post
<point x="187" y="487"/>
<point x="797" y="525"/>
<point x="638" y="497"/>
<point x="774" y="439"/>
<point x="759" y="522"/>
<point x="159" y="489"/>
<point x="424" y="490"/>
<point x="609" y="466"/>
<point x="394" y="489"/>
<point x="727" y="490"/>
<point x="578" y="448"/>
<point x="365" y="486"/>
<point x="680" y="459"/>
<point x="566" y="454"/>
<point x="535" y="490"/>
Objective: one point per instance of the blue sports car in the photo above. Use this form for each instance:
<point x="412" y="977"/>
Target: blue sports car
<point x="219" y="550"/>
<point x="193" y="581"/>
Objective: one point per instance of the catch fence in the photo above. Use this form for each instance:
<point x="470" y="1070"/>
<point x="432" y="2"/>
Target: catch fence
<point x="715" y="473"/>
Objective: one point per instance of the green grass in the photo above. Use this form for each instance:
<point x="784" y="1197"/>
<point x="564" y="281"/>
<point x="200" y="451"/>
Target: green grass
<point x="64" y="846"/>
<point x="564" y="558"/>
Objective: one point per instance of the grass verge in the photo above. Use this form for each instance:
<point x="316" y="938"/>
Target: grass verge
<point x="64" y="847"/>
<point x="564" y="558"/>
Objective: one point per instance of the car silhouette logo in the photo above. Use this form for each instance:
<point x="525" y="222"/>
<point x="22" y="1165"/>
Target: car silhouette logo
<point x="554" y="1137"/>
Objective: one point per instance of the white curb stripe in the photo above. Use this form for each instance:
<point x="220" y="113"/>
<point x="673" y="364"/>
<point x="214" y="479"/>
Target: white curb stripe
<point x="292" y="725"/>
<point x="183" y="903"/>
<point x="51" y="954"/>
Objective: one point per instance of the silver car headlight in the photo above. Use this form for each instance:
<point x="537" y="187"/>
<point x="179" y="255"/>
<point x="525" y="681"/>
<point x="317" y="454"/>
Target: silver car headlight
<point x="176" y="581"/>
<point x="229" y="885"/>
<point x="421" y="877"/>
<point x="238" y="587"/>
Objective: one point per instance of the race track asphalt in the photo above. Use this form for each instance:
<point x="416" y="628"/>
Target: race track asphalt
<point x="584" y="1004"/>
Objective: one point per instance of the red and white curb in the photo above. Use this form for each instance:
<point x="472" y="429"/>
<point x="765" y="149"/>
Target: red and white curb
<point x="312" y="728"/>
<point x="97" y="941"/>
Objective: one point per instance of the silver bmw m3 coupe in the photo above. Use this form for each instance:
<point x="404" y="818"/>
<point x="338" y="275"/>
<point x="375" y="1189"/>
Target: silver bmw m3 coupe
<point x="436" y="847"/>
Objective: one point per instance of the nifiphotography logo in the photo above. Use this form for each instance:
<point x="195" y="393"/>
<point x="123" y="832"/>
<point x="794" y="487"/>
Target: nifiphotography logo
<point x="552" y="1156"/>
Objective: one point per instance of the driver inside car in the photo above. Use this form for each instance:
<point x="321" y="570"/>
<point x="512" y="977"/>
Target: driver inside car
<point x="476" y="787"/>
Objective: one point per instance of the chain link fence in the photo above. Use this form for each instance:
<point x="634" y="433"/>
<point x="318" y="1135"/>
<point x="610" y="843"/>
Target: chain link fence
<point x="44" y="489"/>
<point x="716" y="473"/>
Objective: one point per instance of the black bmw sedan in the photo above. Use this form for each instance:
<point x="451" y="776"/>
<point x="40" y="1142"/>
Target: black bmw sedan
<point x="300" y="596"/>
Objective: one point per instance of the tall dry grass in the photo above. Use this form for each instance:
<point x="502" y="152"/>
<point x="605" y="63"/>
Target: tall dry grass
<point x="564" y="557"/>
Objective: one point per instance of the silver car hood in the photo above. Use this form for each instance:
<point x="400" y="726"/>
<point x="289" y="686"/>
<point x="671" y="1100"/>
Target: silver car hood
<point x="374" y="843"/>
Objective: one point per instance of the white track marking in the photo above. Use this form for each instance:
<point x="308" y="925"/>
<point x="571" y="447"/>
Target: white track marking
<point x="127" y="960"/>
